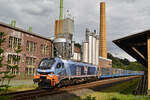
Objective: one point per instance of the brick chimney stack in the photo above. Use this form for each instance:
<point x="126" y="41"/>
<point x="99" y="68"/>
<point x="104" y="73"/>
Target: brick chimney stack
<point x="103" y="42"/>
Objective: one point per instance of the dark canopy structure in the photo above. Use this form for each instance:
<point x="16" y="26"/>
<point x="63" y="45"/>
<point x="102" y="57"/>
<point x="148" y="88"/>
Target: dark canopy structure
<point x="136" y="46"/>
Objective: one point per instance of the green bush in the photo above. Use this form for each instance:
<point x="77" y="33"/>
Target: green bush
<point x="125" y="63"/>
<point x="6" y="76"/>
<point x="87" y="98"/>
<point x="5" y="97"/>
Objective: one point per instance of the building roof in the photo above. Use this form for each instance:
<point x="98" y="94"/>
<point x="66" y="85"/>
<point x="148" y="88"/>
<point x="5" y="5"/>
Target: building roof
<point x="106" y="59"/>
<point x="135" y="45"/>
<point x="22" y="30"/>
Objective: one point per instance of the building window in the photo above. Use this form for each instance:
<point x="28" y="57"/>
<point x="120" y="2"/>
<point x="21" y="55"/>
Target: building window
<point x="30" y="61"/>
<point x="12" y="61"/>
<point x="14" y="42"/>
<point x="30" y="65"/>
<point x="44" y="49"/>
<point x="30" y="71"/>
<point x="31" y="46"/>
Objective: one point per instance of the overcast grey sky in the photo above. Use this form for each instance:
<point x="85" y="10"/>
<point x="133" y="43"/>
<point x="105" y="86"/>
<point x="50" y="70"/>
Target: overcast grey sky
<point x="124" y="17"/>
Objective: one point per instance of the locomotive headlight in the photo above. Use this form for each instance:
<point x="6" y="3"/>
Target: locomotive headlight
<point x="51" y="73"/>
<point x="37" y="73"/>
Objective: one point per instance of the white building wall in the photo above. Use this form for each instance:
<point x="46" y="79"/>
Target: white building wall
<point x="90" y="49"/>
<point x="76" y="56"/>
<point x="85" y="52"/>
<point x="94" y="51"/>
<point x="97" y="51"/>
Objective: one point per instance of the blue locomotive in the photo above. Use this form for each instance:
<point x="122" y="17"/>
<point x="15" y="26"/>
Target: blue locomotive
<point x="60" y="72"/>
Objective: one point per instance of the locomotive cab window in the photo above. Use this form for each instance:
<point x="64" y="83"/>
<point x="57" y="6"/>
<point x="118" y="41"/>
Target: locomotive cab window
<point x="58" y="65"/>
<point x="46" y="64"/>
<point x="63" y="65"/>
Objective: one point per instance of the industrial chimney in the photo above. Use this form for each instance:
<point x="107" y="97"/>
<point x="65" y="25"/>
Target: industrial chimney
<point x="13" y="23"/>
<point x="56" y="27"/>
<point x="30" y="29"/>
<point x="59" y="23"/>
<point x="61" y="10"/>
<point x="103" y="42"/>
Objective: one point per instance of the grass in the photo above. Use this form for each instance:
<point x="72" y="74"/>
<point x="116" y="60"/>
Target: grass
<point x="20" y="88"/>
<point x="5" y="97"/>
<point x="123" y="91"/>
<point x="123" y="88"/>
<point x="17" y="89"/>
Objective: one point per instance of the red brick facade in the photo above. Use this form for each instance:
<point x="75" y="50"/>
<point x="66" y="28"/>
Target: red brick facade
<point x="77" y="50"/>
<point x="24" y="36"/>
<point x="106" y="63"/>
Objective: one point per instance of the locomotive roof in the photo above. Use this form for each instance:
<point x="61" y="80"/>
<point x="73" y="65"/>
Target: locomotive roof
<point x="71" y="61"/>
<point x="76" y="62"/>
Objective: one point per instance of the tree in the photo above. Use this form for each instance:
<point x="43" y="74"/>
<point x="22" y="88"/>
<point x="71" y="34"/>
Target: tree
<point x="125" y="63"/>
<point x="6" y="76"/>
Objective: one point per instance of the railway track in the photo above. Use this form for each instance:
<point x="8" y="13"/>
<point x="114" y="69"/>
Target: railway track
<point x="33" y="94"/>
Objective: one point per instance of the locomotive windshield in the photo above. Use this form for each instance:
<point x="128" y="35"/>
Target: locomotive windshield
<point x="46" y="63"/>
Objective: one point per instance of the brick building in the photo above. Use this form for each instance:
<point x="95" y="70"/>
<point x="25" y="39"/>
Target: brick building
<point x="34" y="48"/>
<point x="107" y="63"/>
<point x="77" y="54"/>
